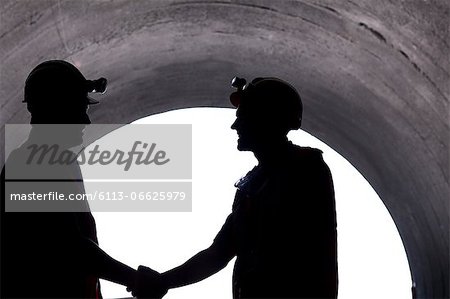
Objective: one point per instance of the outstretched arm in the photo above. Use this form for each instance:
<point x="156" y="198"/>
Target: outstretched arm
<point x="206" y="262"/>
<point x="151" y="284"/>
<point x="200" y="266"/>
<point x="104" y="266"/>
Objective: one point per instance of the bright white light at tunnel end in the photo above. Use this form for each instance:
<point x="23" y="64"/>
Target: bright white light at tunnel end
<point x="371" y="256"/>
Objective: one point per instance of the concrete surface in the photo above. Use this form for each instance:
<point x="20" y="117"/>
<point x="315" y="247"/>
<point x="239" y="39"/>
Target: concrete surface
<point x="374" y="77"/>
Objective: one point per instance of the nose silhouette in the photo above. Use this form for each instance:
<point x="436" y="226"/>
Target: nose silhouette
<point x="235" y="124"/>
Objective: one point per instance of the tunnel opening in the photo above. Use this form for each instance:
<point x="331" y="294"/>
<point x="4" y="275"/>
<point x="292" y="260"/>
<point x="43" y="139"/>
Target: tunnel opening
<point x="371" y="255"/>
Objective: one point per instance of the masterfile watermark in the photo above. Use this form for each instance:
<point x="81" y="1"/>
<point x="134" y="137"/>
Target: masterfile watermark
<point x="61" y="168"/>
<point x="146" y="155"/>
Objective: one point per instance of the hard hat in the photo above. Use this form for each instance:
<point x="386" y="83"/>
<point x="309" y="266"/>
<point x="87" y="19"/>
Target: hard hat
<point x="56" y="80"/>
<point x="270" y="98"/>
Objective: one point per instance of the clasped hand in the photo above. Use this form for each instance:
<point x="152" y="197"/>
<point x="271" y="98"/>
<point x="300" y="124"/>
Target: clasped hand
<point x="148" y="284"/>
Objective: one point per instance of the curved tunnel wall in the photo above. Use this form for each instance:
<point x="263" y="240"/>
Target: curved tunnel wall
<point x="373" y="76"/>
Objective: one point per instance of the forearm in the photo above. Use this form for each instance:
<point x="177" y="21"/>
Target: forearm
<point x="104" y="266"/>
<point x="197" y="268"/>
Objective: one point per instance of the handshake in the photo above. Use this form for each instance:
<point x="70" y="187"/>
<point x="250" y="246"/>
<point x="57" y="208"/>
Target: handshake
<point x="148" y="283"/>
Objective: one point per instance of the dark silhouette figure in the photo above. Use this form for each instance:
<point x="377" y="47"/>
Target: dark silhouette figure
<point x="282" y="228"/>
<point x="54" y="254"/>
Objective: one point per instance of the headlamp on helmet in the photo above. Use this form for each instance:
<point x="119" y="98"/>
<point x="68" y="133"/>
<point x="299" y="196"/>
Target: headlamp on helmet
<point x="270" y="98"/>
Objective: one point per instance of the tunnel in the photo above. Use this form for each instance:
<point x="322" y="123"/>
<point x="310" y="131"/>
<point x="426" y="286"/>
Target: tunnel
<point x="373" y="76"/>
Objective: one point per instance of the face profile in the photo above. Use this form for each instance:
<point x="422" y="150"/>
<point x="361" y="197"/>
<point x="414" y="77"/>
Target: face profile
<point x="267" y="109"/>
<point x="56" y="92"/>
<point x="251" y="132"/>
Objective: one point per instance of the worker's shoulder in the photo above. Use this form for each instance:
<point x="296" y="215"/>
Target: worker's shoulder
<point x="307" y="154"/>
<point x="306" y="150"/>
<point x="307" y="161"/>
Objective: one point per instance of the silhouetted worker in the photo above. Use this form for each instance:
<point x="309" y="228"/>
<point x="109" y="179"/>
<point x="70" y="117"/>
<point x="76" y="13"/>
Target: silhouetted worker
<point x="54" y="254"/>
<point x="282" y="228"/>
